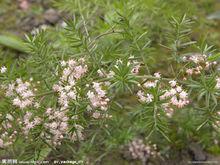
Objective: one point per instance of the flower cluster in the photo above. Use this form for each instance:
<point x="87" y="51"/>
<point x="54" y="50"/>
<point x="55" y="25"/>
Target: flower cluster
<point x="141" y="151"/>
<point x="57" y="126"/>
<point x="177" y="96"/>
<point x="29" y="122"/>
<point x="173" y="96"/>
<point x="72" y="71"/>
<point x="8" y="135"/>
<point x="98" y="98"/>
<point x="200" y="63"/>
<point x="6" y="139"/>
<point x="77" y="134"/>
<point x="148" y="98"/>
<point x="21" y="92"/>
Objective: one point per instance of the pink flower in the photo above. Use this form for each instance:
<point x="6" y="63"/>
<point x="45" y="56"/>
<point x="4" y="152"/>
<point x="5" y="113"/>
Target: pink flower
<point x="24" y="5"/>
<point x="189" y="71"/>
<point x="98" y="97"/>
<point x="141" y="96"/>
<point x="178" y="89"/>
<point x="100" y="73"/>
<point x="150" y="84"/>
<point x="72" y="71"/>
<point x="96" y="115"/>
<point x="21" y="93"/>
<point x="172" y="83"/>
<point x="148" y="98"/>
<point x="183" y="95"/>
<point x="157" y="75"/>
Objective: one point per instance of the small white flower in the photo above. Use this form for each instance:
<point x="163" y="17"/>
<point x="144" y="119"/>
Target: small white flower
<point x="149" y="98"/>
<point x="63" y="24"/>
<point x="9" y="117"/>
<point x="96" y="115"/>
<point x="72" y="95"/>
<point x="189" y="71"/>
<point x="100" y="73"/>
<point x="3" y="69"/>
<point x="183" y="95"/>
<point x="37" y="105"/>
<point x="172" y="83"/>
<point x="141" y="96"/>
<point x="150" y="84"/>
<point x="63" y="63"/>
<point x="172" y="92"/>
<point x="157" y="75"/>
<point x="179" y="89"/>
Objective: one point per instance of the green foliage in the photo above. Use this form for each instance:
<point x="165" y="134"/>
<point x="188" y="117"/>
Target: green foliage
<point x="12" y="42"/>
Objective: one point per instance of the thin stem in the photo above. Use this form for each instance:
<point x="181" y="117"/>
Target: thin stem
<point x="104" y="34"/>
<point x="155" y="115"/>
<point x="44" y="94"/>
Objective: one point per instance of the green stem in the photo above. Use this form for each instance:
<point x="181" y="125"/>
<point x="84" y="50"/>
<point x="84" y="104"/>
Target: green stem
<point x="44" y="94"/>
